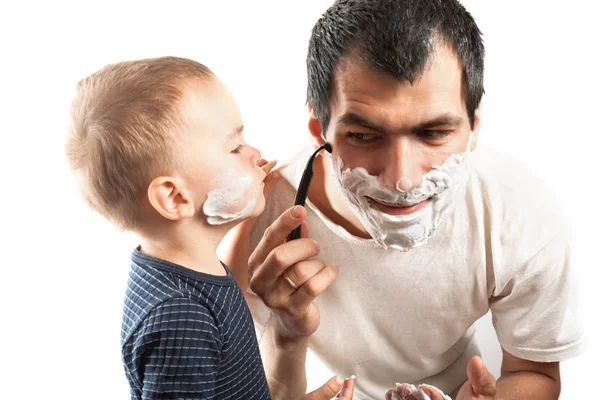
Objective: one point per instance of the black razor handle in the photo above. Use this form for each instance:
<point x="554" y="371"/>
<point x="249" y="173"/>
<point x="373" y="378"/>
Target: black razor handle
<point x="302" y="192"/>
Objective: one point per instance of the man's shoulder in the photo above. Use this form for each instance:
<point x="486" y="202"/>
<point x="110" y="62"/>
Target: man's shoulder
<point x="500" y="168"/>
<point x="507" y="181"/>
<point x="520" y="210"/>
<point x="282" y="193"/>
<point x="291" y="171"/>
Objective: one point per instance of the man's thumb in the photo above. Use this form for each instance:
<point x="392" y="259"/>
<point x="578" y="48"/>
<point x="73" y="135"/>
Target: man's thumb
<point x="327" y="391"/>
<point x="482" y="381"/>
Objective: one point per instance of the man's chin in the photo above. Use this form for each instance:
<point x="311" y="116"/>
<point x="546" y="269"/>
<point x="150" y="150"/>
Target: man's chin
<point x="397" y="209"/>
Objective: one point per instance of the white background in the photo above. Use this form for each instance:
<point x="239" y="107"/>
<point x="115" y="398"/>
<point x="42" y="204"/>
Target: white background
<point x="64" y="269"/>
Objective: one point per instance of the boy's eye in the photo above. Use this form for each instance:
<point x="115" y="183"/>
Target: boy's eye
<point x="237" y="149"/>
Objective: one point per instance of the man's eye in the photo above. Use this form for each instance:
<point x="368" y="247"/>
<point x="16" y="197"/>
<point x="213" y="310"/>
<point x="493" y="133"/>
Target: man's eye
<point x="362" y="137"/>
<point x="237" y="149"/>
<point x="435" y="134"/>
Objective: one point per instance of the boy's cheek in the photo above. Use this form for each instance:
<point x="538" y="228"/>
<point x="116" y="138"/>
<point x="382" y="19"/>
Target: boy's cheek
<point x="260" y="206"/>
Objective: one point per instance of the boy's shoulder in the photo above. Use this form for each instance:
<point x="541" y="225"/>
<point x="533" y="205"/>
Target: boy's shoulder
<point x="180" y="317"/>
<point x="155" y="295"/>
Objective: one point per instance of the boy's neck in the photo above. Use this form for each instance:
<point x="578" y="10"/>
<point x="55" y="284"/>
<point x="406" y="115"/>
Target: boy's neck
<point x="190" y="248"/>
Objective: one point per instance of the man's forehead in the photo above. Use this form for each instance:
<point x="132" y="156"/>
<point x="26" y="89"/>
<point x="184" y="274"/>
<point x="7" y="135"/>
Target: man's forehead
<point x="357" y="84"/>
<point x="443" y="70"/>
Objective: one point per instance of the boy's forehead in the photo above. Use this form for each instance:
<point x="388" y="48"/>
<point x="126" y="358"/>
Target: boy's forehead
<point x="211" y="108"/>
<point x="198" y="92"/>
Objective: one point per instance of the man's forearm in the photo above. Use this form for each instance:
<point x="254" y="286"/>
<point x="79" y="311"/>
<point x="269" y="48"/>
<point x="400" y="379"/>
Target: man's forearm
<point x="285" y="364"/>
<point x="527" y="385"/>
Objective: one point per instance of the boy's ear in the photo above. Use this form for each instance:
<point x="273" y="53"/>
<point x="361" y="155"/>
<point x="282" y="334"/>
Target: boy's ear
<point x="170" y="198"/>
<point x="314" y="127"/>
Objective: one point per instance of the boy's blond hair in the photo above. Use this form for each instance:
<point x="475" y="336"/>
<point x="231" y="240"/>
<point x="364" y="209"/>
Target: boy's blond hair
<point x="126" y="119"/>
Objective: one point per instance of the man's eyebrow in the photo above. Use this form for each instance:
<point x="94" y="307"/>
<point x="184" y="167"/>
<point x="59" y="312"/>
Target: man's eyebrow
<point x="441" y="120"/>
<point x="236" y="132"/>
<point x="351" y="118"/>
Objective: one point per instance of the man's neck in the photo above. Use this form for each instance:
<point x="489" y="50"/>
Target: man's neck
<point x="191" y="248"/>
<point x="327" y="197"/>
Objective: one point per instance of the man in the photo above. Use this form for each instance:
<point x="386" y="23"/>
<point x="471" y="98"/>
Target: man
<point x="409" y="235"/>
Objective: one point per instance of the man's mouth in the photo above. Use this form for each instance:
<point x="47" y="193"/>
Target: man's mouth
<point x="397" y="209"/>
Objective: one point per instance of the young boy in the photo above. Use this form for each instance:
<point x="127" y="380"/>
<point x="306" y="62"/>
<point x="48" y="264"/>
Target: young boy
<point x="158" y="148"/>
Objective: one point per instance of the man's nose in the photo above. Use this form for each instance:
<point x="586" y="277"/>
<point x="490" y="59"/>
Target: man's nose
<point x="401" y="171"/>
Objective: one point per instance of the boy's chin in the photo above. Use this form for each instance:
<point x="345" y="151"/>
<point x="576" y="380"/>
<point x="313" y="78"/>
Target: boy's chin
<point x="259" y="208"/>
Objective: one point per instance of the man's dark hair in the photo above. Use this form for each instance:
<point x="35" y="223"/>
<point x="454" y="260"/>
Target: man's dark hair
<point x="396" y="37"/>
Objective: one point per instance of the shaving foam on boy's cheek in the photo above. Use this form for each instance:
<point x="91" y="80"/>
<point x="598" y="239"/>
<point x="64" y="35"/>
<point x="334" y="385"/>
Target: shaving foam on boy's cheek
<point x="401" y="232"/>
<point x="232" y="198"/>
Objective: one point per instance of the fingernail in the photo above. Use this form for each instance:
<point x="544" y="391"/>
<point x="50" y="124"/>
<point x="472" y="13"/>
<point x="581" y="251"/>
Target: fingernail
<point x="339" y="380"/>
<point x="317" y="245"/>
<point x="296" y="212"/>
<point x="352" y="376"/>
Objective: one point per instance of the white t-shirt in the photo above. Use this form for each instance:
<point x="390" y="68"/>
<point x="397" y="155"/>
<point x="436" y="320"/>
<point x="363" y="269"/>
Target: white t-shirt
<point x="393" y="316"/>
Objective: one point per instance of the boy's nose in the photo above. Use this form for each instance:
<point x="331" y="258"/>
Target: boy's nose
<point x="255" y="155"/>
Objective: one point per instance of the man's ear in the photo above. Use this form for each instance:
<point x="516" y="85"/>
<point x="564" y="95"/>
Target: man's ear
<point x="170" y="198"/>
<point x="476" y="127"/>
<point x="314" y="127"/>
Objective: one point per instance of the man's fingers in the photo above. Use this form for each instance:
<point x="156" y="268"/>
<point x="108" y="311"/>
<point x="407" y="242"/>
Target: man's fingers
<point x="304" y="296"/>
<point x="301" y="272"/>
<point x="281" y="259"/>
<point x="276" y="234"/>
<point x="347" y="391"/>
<point x="303" y="230"/>
<point x="482" y="381"/>
<point x="327" y="391"/>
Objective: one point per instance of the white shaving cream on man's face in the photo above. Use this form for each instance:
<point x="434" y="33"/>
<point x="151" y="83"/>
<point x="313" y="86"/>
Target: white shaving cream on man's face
<point x="232" y="198"/>
<point x="402" y="232"/>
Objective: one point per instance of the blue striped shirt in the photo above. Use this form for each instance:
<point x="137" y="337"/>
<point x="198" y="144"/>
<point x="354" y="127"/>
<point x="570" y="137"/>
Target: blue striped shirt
<point x="188" y="335"/>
